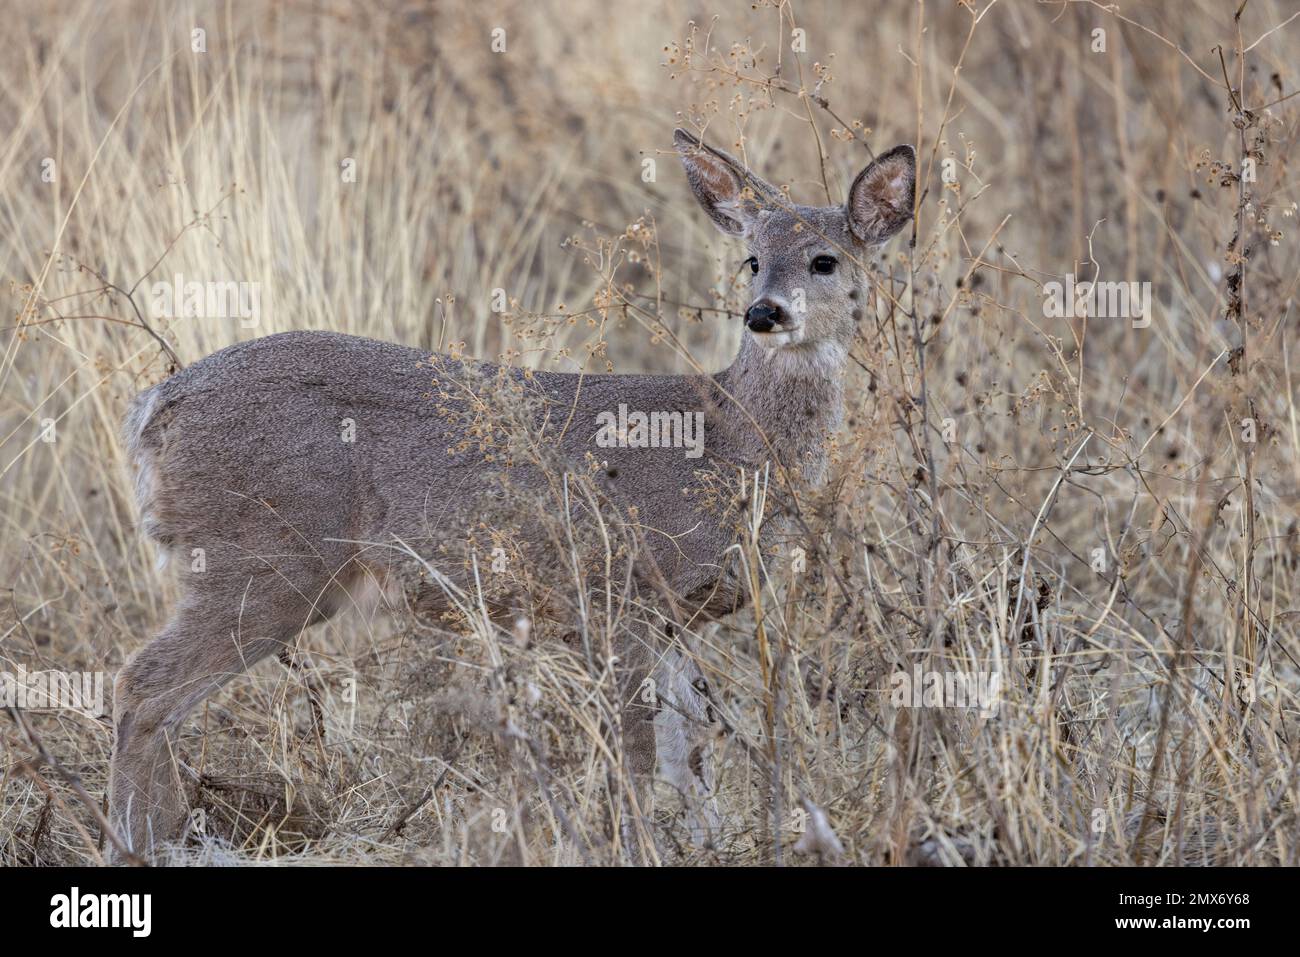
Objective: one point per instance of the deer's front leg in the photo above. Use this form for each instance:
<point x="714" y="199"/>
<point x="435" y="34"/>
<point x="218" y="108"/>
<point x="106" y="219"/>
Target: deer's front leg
<point x="639" y="704"/>
<point x="685" y="730"/>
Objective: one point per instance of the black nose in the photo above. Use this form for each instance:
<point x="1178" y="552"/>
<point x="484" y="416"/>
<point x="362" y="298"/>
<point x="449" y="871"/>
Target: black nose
<point x="763" y="315"/>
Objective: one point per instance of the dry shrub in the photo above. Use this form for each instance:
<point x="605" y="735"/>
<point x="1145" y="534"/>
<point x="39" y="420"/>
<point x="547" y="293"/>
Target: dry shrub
<point x="1107" y="516"/>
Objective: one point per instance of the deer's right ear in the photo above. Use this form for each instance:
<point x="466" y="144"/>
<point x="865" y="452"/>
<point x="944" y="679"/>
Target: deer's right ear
<point x="729" y="194"/>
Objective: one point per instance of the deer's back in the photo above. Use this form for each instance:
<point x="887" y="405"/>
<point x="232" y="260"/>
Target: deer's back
<point x="310" y="444"/>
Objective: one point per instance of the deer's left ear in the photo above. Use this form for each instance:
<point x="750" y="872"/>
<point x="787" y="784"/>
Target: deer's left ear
<point x="881" y="198"/>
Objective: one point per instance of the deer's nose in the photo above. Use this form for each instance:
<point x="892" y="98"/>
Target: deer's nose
<point x="763" y="315"/>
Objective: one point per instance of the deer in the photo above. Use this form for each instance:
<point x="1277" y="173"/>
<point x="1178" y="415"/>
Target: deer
<point x="239" y="455"/>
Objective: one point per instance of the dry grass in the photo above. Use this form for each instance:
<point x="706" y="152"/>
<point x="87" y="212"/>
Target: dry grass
<point x="1074" y="504"/>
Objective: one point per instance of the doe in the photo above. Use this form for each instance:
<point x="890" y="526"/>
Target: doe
<point x="240" y="455"/>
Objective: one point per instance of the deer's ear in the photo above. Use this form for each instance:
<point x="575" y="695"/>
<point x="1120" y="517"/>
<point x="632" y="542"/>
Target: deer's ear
<point x="729" y="193"/>
<point x="881" y="198"/>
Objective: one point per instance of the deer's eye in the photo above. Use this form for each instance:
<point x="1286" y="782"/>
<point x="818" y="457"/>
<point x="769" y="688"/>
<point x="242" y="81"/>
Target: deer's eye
<point x="823" y="265"/>
<point x="752" y="262"/>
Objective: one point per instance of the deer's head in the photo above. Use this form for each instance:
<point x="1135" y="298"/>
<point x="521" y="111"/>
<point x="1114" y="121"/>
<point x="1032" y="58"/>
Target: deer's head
<point x="807" y="263"/>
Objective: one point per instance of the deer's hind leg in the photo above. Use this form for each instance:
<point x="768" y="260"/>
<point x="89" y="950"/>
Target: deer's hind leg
<point x="214" y="636"/>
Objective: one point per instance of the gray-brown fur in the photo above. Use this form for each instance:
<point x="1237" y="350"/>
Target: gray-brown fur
<point x="242" y="455"/>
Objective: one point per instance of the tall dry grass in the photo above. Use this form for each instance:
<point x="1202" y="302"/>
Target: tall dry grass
<point x="1106" y="516"/>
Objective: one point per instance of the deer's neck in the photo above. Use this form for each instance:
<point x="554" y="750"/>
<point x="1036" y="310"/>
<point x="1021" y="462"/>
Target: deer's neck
<point x="796" y="397"/>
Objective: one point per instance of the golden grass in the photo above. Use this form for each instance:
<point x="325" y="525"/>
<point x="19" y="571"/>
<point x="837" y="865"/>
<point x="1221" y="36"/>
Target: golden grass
<point x="1073" y="503"/>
